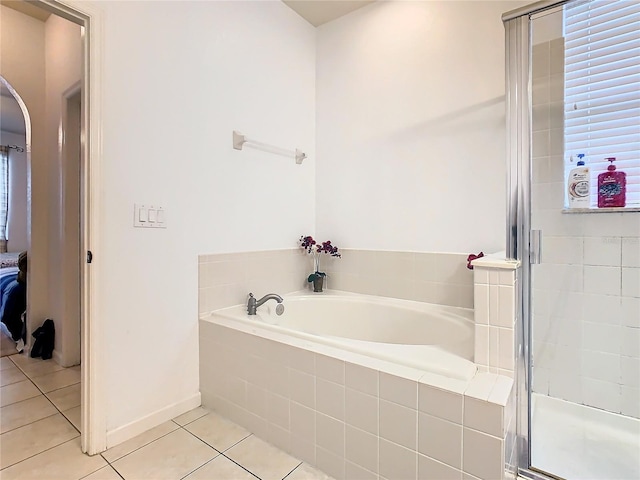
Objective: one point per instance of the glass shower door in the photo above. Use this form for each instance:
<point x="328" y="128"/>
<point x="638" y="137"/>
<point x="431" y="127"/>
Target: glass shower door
<point x="585" y="292"/>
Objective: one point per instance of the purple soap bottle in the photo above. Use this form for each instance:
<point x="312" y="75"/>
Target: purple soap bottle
<point x="612" y="187"/>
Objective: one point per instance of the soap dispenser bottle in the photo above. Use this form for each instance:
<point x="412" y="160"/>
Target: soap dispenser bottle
<point x="578" y="187"/>
<point x="612" y="187"/>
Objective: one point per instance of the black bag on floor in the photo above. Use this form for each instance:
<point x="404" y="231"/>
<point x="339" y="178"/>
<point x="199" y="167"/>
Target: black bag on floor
<point x="45" y="337"/>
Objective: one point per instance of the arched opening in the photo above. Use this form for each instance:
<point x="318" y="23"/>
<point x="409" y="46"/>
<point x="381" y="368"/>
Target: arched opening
<point x="16" y="133"/>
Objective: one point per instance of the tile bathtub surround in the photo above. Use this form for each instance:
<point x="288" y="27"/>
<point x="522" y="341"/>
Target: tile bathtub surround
<point x="440" y="278"/>
<point x="226" y="279"/>
<point x="495" y="285"/>
<point x="352" y="416"/>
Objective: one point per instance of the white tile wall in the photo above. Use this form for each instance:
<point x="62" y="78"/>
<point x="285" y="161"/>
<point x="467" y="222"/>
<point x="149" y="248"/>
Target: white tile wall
<point x="353" y="421"/>
<point x="495" y="315"/>
<point x="441" y="440"/>
<point x="477" y="447"/>
<point x="440" y="278"/>
<point x="588" y="286"/>
<point x="226" y="279"/>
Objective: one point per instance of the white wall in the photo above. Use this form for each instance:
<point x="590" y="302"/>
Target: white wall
<point x="178" y="78"/>
<point x="63" y="57"/>
<point x="17" y="220"/>
<point x="411" y="127"/>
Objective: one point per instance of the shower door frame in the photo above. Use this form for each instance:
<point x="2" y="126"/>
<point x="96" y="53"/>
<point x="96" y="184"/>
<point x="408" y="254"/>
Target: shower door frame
<point x="518" y="43"/>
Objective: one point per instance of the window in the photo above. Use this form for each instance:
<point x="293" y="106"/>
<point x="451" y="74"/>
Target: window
<point x="602" y="90"/>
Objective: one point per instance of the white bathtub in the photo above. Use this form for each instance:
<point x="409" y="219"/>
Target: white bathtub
<point x="432" y="338"/>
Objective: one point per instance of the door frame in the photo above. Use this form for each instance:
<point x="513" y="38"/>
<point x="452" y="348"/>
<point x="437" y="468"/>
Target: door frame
<point x="71" y="176"/>
<point x="518" y="232"/>
<point x="93" y="423"/>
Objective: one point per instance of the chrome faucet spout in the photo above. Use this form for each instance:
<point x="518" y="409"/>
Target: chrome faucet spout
<point x="253" y="304"/>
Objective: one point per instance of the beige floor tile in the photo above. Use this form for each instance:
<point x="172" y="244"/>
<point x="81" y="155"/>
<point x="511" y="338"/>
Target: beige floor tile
<point x="34" y="438"/>
<point x="168" y="458"/>
<point x="307" y="472"/>
<point x="73" y="415"/>
<point x="217" y="432"/>
<point x="105" y="473"/>
<point x="219" y="468"/>
<point x="65" y="461"/>
<point x="33" y="367"/>
<point x="141" y="440"/>
<point x="11" y="375"/>
<point x="262" y="459"/>
<point x="16" y="392"/>
<point x="27" y="411"/>
<point x="55" y="380"/>
<point x="190" y="416"/>
<point x="5" y="362"/>
<point x="65" y="398"/>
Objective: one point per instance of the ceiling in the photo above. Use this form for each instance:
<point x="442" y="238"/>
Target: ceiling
<point x="11" y="119"/>
<point x="27" y="9"/>
<point x="317" y="12"/>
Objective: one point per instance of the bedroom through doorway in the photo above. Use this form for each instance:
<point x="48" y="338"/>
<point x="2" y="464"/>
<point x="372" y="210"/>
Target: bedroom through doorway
<point x="42" y="73"/>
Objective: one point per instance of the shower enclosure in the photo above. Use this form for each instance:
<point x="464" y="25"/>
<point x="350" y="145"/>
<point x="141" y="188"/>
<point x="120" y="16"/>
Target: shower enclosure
<point x="573" y="91"/>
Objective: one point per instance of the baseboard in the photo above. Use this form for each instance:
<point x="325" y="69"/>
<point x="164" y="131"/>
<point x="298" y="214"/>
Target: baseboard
<point x="130" y="430"/>
<point x="57" y="357"/>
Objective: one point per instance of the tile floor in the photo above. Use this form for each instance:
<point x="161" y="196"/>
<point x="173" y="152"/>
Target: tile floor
<point x="40" y="438"/>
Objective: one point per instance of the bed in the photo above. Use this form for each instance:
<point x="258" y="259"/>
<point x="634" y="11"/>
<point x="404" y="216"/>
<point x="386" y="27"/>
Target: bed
<point x="13" y="302"/>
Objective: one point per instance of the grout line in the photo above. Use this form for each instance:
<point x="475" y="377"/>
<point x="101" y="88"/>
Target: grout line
<point x="222" y="452"/>
<point x="45" y="394"/>
<point x="18" y="401"/>
<point x="135" y="450"/>
<point x="294" y="469"/>
<point x="205" y="463"/>
<point x="36" y="454"/>
<point x="206" y="443"/>
<point x="66" y="386"/>
<point x="111" y="465"/>
<point x="55" y="413"/>
<point x="104" y="466"/>
<point x="189" y="423"/>
<point x="227" y="449"/>
<point x="232" y="460"/>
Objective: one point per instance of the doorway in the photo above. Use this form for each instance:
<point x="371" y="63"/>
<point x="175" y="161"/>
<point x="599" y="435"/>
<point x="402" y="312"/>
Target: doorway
<point x="579" y="326"/>
<point x="76" y="112"/>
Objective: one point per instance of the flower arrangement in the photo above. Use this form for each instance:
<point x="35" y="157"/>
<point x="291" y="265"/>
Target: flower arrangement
<point x="316" y="249"/>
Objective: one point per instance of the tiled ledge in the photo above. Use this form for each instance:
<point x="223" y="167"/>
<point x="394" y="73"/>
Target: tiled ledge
<point x="495" y="289"/>
<point x="495" y="262"/>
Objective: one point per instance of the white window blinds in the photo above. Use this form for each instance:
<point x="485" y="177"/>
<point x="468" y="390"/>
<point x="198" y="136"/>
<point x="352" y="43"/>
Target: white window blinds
<point x="602" y="89"/>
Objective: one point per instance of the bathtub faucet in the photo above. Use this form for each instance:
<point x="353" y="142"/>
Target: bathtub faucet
<point x="253" y="304"/>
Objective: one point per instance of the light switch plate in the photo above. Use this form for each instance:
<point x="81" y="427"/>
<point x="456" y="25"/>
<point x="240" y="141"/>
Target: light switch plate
<point x="149" y="216"/>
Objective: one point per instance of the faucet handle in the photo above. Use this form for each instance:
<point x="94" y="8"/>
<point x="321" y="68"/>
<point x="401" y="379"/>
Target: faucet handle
<point x="250" y="295"/>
